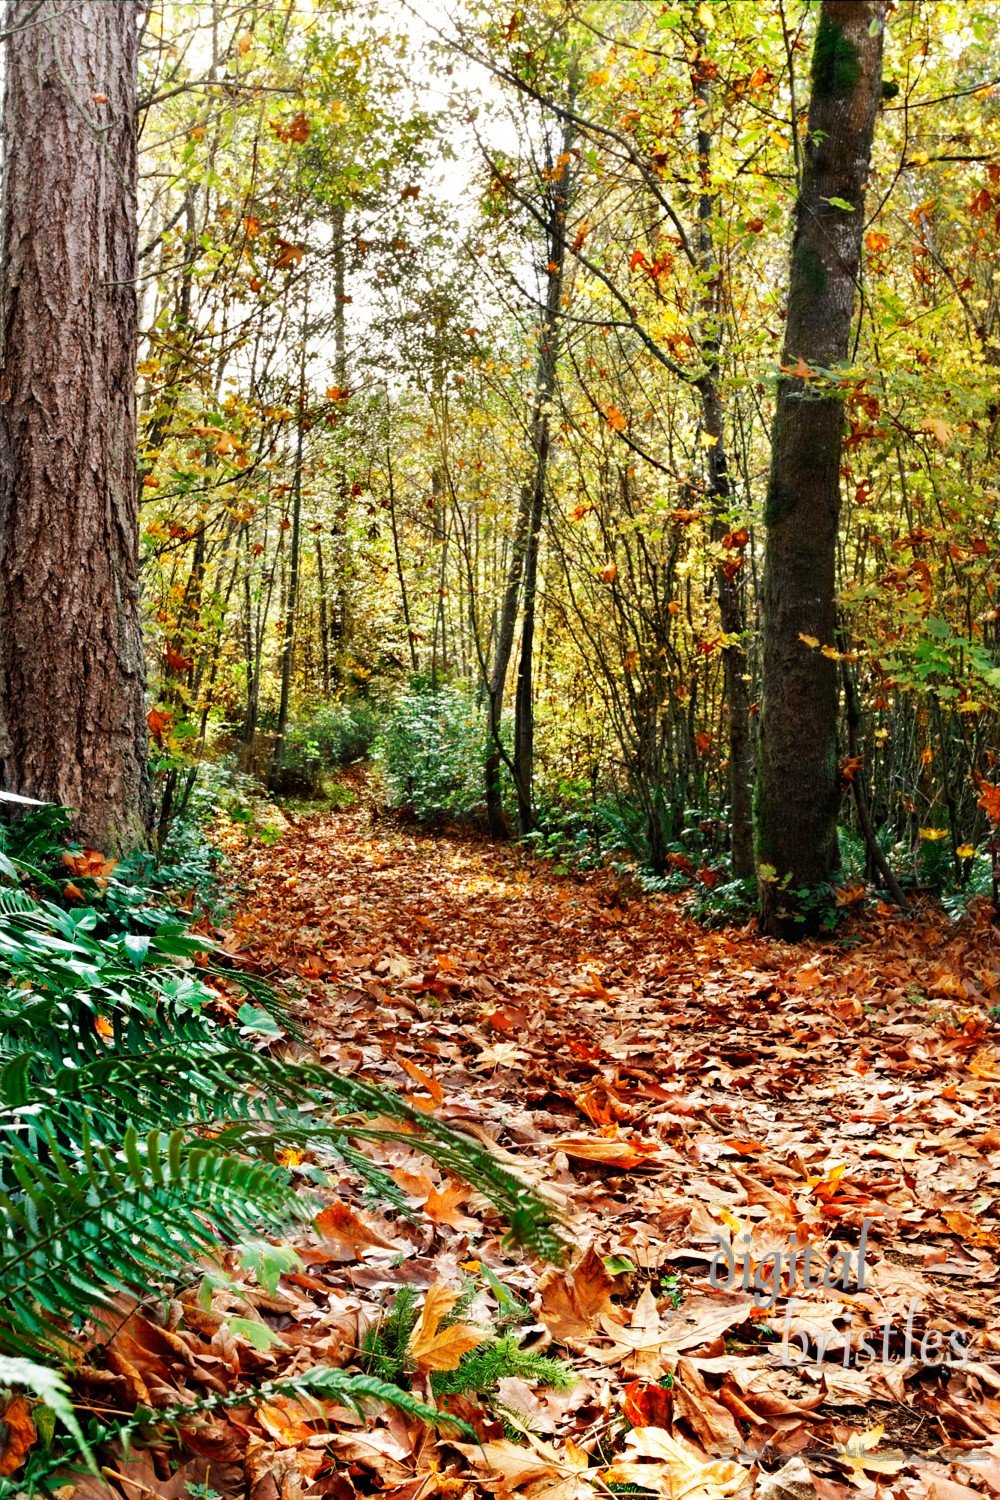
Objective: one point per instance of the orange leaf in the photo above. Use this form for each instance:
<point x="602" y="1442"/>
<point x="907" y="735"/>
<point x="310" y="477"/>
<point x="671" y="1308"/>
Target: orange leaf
<point x="616" y="418"/>
<point x="19" y="1435"/>
<point x="989" y="801"/>
<point x="647" y="1405"/>
<point x="159" y="721"/>
<point x="799" y="371"/>
<point x="177" y="661"/>
<point x="288" y="255"/>
<point x="283" y="1420"/>
<point x="347" y="1232"/>
<point x="424" y="1079"/>
<point x="442" y="1207"/>
<point x="437" y="1348"/>
<point x="88" y="862"/>
<point x="623" y="1154"/>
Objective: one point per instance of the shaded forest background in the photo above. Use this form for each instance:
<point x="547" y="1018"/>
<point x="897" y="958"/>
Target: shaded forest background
<point x="429" y="311"/>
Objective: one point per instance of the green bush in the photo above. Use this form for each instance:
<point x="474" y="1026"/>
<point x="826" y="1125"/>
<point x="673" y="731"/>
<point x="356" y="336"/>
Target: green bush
<point x="433" y="752"/>
<point x="333" y="736"/>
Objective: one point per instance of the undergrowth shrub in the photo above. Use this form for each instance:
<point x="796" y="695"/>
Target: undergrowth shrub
<point x="332" y="737"/>
<point x="140" y="1130"/>
<point x="571" y="832"/>
<point x="432" y="752"/>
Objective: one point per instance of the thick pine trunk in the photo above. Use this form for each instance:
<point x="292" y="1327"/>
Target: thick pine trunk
<point x="797" y="792"/>
<point x="72" y="712"/>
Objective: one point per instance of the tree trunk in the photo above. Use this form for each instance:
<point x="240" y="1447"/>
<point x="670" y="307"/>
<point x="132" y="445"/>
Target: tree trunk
<point x="292" y="593"/>
<point x="527" y="527"/>
<point x="524" y="709"/>
<point x="797" y="780"/>
<point x="340" y="562"/>
<point x="401" y="576"/>
<point x="732" y="615"/>
<point x="324" y="625"/>
<point x="72" y="675"/>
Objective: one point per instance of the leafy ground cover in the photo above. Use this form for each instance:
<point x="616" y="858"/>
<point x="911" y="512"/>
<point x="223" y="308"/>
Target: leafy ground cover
<point x="669" y="1088"/>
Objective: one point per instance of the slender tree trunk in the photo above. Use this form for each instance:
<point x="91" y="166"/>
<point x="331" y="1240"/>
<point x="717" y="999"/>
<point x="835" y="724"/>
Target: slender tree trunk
<point x="797" y="780"/>
<point x="523" y="566"/>
<point x="524" y="709"/>
<point x="292" y="593"/>
<point x="340" y="561"/>
<point x="72" y="675"/>
<point x="411" y="643"/>
<point x="732" y="615"/>
<point x="324" y="628"/>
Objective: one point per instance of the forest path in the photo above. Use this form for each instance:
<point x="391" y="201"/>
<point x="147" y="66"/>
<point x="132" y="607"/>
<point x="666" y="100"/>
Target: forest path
<point x="666" y="1084"/>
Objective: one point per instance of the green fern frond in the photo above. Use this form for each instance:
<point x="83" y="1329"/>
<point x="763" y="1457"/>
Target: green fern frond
<point x="72" y="1240"/>
<point x="138" y="1134"/>
<point x="328" y="1382"/>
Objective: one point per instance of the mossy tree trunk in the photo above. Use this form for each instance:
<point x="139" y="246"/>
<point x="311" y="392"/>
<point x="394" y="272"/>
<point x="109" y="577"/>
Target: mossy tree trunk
<point x="797" y="791"/>
<point x="72" y="711"/>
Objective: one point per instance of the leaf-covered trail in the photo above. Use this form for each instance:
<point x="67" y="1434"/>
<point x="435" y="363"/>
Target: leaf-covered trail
<point x="668" y="1085"/>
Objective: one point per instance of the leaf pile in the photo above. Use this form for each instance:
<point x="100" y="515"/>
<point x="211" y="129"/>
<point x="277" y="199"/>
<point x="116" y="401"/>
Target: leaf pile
<point x="673" y="1090"/>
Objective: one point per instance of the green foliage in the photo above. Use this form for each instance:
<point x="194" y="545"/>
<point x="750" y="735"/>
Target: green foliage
<point x="332" y="737"/>
<point x="433" y="752"/>
<point x="571" y="830"/>
<point x="731" y="903"/>
<point x="136" y="1130"/>
<point x="481" y="1369"/>
<point x="384" y="1344"/>
<point x="936" y="864"/>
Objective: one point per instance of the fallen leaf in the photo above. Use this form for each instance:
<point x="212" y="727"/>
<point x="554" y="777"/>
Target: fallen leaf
<point x="436" y="1348"/>
<point x="19" y="1434"/>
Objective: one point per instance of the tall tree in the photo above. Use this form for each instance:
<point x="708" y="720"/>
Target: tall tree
<point x="732" y="611"/>
<point x="797" y="792"/>
<point x="72" y="720"/>
<point x="522" y="570"/>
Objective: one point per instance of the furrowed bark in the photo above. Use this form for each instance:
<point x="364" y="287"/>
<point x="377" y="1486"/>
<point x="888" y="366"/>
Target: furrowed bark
<point x="72" y="676"/>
